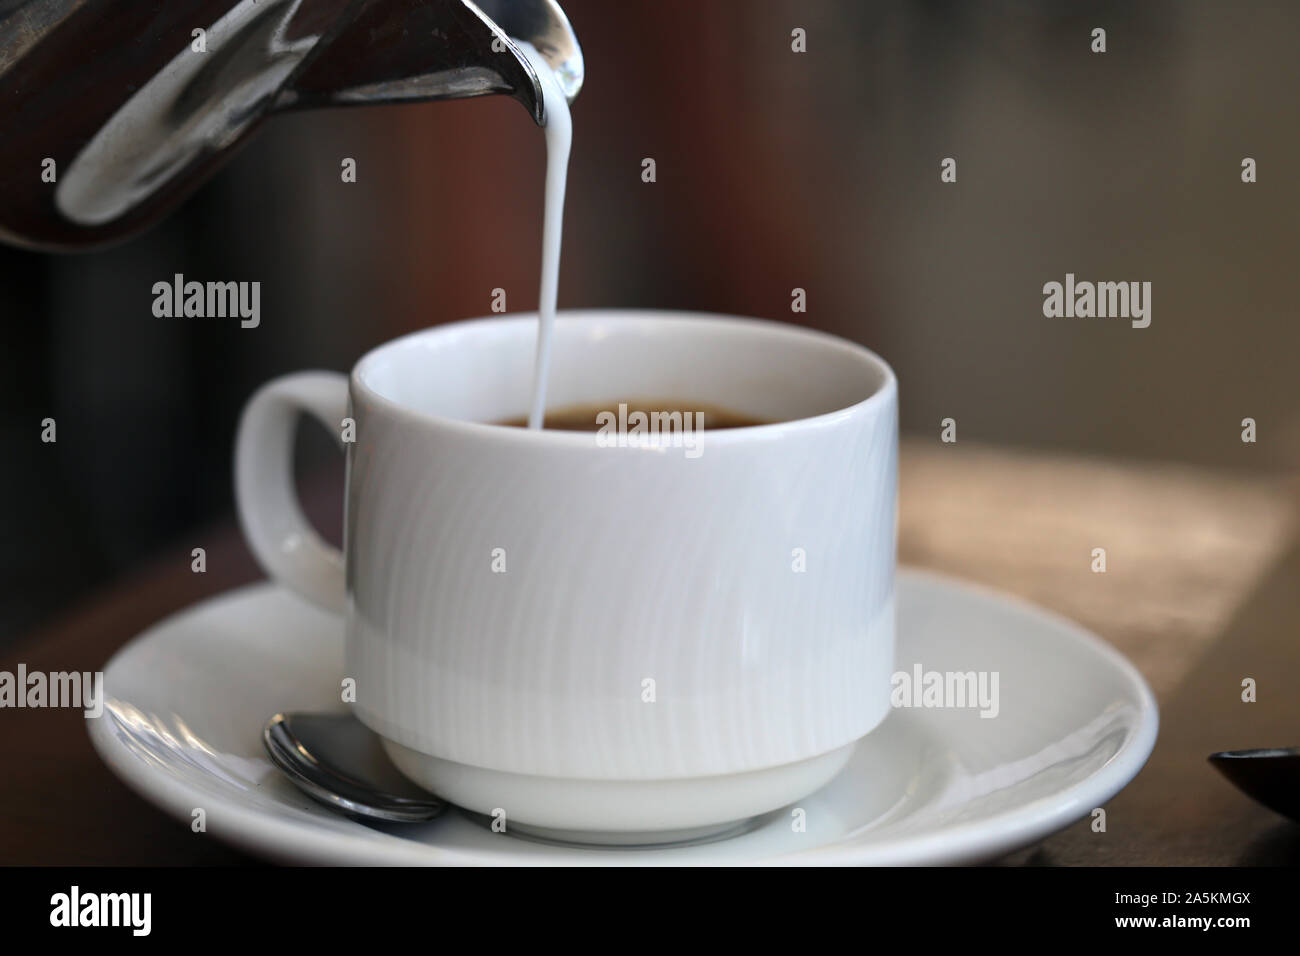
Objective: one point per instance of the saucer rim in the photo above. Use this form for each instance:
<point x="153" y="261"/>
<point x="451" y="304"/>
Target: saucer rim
<point x="1008" y="829"/>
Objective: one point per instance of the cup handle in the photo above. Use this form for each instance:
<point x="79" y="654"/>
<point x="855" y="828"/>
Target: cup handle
<point x="282" y="540"/>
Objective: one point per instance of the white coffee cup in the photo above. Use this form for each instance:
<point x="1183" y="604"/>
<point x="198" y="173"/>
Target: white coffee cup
<point x="606" y="643"/>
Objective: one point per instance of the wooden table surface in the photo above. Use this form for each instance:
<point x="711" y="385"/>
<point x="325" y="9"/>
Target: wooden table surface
<point x="1201" y="589"/>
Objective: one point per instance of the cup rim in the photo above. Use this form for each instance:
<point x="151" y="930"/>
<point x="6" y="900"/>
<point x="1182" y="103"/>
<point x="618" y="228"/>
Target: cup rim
<point x="883" y="393"/>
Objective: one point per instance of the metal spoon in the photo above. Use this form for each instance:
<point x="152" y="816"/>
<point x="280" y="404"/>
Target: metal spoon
<point x="338" y="761"/>
<point x="1271" y="775"/>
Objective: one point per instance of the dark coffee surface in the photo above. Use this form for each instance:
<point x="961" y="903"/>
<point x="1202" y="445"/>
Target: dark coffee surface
<point x="584" y="418"/>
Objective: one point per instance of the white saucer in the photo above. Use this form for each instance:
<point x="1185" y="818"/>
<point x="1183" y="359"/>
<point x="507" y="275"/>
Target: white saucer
<point x="188" y="700"/>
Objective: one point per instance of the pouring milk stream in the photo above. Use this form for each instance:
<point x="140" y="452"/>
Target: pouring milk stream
<point x="559" y="137"/>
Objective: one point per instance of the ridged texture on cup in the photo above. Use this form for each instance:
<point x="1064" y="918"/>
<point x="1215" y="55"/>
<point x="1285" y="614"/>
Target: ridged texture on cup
<point x="622" y="566"/>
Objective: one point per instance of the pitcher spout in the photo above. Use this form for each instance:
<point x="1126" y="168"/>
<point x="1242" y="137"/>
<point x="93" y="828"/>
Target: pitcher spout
<point x="398" y="51"/>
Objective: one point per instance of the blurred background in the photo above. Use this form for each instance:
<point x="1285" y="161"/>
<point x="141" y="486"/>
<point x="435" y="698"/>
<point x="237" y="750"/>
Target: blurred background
<point x="775" y="170"/>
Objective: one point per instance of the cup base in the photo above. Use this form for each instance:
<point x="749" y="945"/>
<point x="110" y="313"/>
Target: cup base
<point x="631" y="839"/>
<point x="618" y="812"/>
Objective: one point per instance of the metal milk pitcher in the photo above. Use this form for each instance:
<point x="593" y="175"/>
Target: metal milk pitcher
<point x="113" y="111"/>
